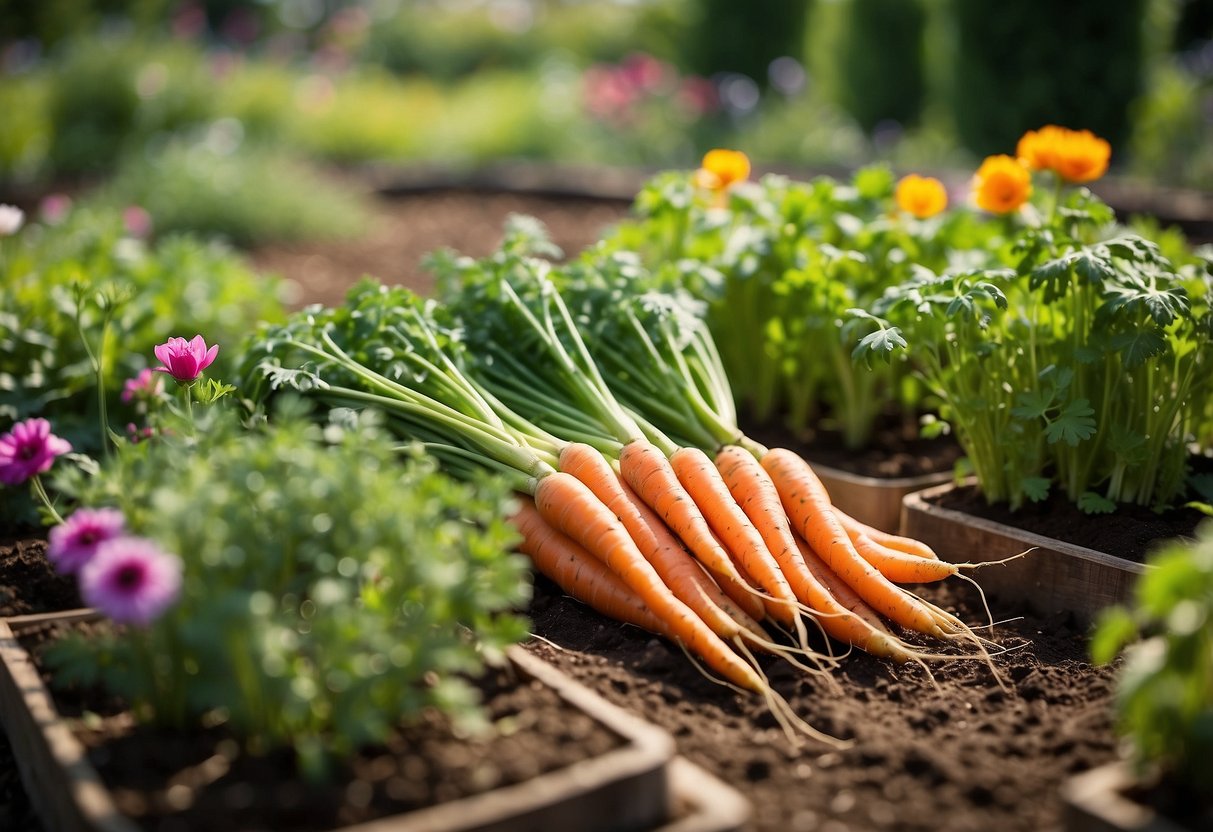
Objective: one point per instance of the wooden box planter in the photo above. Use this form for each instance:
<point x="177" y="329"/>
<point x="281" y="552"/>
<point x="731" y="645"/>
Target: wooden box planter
<point x="1055" y="577"/>
<point x="1096" y="801"/>
<point x="874" y="500"/>
<point x="630" y="788"/>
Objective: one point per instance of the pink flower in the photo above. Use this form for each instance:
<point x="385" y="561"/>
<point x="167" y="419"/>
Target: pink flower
<point x="137" y="221"/>
<point x="185" y="360"/>
<point x="54" y="208"/>
<point x="145" y="386"/>
<point x="131" y="580"/>
<point x="74" y="542"/>
<point x="136" y="434"/>
<point x="28" y="449"/>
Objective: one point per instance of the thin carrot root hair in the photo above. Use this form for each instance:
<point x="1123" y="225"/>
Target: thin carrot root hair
<point x="792" y="724"/>
<point x="823" y="664"/>
<point x="985" y="563"/>
<point x="985" y="605"/>
<point x="712" y="677"/>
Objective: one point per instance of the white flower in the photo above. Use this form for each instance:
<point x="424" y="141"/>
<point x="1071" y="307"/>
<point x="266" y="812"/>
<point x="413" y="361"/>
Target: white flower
<point x="11" y="218"/>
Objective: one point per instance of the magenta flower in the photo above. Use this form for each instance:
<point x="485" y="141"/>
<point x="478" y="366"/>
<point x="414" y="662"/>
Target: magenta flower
<point x="185" y="360"/>
<point x="28" y="449"/>
<point x="74" y="542"/>
<point x="131" y="580"/>
<point x="145" y="386"/>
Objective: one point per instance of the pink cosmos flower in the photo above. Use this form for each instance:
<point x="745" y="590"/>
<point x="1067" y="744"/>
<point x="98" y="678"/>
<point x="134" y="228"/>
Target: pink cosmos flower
<point x="185" y="360"/>
<point x="145" y="386"/>
<point x="74" y="542"/>
<point x="28" y="449"/>
<point x="131" y="580"/>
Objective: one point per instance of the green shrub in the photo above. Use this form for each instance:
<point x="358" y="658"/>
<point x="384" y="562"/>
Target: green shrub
<point x="329" y="592"/>
<point x="880" y="62"/>
<point x="1164" y="693"/>
<point x="727" y="36"/>
<point x="1033" y="62"/>
<point x="246" y="194"/>
<point x="108" y="96"/>
<point x="177" y="286"/>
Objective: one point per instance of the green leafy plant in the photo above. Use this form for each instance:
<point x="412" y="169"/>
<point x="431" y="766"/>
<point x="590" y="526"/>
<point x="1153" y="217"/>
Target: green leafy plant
<point x="1164" y="695"/>
<point x="332" y="585"/>
<point x="1081" y="362"/>
<point x="781" y="263"/>
<point x="83" y="304"/>
<point x="244" y="193"/>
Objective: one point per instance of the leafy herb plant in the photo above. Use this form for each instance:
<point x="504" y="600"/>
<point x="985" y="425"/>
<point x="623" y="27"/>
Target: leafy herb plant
<point x="1164" y="697"/>
<point x="1081" y="363"/>
<point x="329" y="589"/>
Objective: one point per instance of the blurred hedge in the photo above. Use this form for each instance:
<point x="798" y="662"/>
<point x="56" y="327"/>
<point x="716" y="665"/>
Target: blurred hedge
<point x="880" y="62"/>
<point x="732" y="36"/>
<point x="1023" y="64"/>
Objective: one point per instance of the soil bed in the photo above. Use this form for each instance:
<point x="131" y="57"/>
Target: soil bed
<point x="421" y="765"/>
<point x="1129" y="532"/>
<point x="28" y="582"/>
<point x="897" y="449"/>
<point x="969" y="756"/>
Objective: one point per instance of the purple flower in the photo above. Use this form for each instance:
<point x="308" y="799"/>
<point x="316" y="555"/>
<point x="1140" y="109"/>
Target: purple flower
<point x="28" y="449"/>
<point x="145" y="386"/>
<point x="131" y="580"/>
<point x="74" y="542"/>
<point x="185" y="360"/>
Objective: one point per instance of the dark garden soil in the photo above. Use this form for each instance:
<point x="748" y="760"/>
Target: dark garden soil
<point x="1130" y="532"/>
<point x="967" y="755"/>
<point x="897" y="450"/>
<point x="28" y="583"/>
<point x="202" y="781"/>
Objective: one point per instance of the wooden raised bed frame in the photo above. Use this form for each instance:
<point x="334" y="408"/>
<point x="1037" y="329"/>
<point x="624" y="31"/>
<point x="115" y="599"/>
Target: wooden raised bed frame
<point x="633" y="787"/>
<point x="1095" y="801"/>
<point x="1054" y="577"/>
<point x="873" y="500"/>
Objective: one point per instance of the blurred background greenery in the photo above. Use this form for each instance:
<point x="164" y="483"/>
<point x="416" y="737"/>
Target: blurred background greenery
<point x="197" y="100"/>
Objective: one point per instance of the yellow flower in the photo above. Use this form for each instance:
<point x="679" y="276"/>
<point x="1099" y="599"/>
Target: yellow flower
<point x="1002" y="184"/>
<point x="1074" y="155"/>
<point x="922" y="196"/>
<point x="721" y="168"/>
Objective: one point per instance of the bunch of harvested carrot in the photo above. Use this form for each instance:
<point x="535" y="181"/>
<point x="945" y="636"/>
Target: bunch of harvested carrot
<point x="608" y="434"/>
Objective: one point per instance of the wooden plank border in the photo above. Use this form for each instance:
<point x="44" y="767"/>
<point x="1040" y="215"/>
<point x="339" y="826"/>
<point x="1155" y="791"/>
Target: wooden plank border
<point x="627" y="788"/>
<point x="1054" y="577"/>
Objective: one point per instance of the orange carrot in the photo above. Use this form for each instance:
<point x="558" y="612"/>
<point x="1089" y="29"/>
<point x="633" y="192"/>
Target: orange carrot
<point x="753" y="489"/>
<point x="807" y="505"/>
<point x="679" y="571"/>
<point x="570" y="507"/>
<point x="703" y="482"/>
<point x="648" y="472"/>
<point x="897" y="543"/>
<point x="579" y="573"/>
<point x="900" y="567"/>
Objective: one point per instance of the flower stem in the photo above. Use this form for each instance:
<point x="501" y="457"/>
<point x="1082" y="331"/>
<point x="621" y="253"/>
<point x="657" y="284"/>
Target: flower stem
<point x="40" y="490"/>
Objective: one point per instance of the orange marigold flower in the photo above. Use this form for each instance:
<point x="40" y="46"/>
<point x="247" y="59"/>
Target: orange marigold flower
<point x="1038" y="148"/>
<point x="1074" y="155"/>
<point x="1082" y="157"/>
<point x="1002" y="184"/>
<point x="922" y="196"/>
<point x="727" y="166"/>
